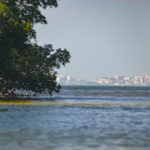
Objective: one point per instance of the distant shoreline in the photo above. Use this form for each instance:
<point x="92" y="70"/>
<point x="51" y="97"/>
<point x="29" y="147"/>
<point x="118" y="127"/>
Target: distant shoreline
<point x="63" y="85"/>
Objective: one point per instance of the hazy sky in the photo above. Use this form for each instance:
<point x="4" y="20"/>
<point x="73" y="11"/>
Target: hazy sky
<point x="104" y="37"/>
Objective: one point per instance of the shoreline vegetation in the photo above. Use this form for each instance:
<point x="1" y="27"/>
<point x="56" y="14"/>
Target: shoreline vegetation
<point x="25" y="65"/>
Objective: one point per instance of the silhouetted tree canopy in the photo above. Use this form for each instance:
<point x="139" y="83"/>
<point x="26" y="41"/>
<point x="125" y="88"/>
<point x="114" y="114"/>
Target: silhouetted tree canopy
<point x="24" y="65"/>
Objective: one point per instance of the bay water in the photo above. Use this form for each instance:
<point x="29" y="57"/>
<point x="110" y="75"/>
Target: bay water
<point x="78" y="118"/>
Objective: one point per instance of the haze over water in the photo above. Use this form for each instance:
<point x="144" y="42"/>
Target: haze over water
<point x="79" y="118"/>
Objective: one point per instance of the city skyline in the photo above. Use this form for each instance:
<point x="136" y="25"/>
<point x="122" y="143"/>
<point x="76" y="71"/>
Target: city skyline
<point x="116" y="80"/>
<point x="104" y="37"/>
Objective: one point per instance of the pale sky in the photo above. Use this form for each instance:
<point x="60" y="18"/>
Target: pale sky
<point x="104" y="37"/>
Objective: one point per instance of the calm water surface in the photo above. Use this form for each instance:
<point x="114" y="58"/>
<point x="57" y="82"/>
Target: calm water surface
<point x="79" y="118"/>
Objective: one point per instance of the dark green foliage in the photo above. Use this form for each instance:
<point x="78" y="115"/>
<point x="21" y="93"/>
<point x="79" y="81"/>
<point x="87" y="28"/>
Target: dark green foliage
<point x="24" y="65"/>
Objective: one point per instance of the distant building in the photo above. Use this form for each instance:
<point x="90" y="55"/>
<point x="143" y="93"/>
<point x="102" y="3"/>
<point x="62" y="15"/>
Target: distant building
<point x="126" y="78"/>
<point x="117" y="80"/>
